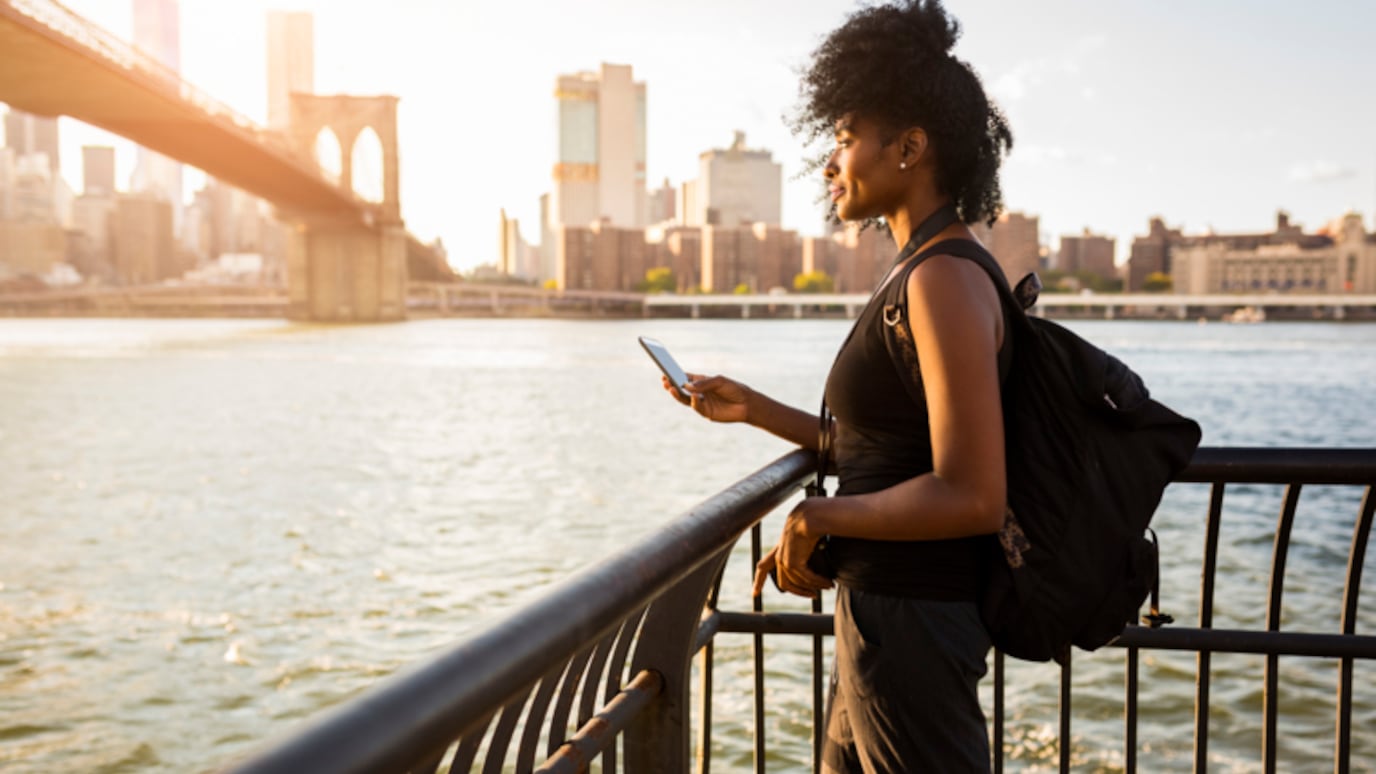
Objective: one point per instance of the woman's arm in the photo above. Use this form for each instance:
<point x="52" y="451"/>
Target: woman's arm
<point x="956" y="321"/>
<point x="725" y="400"/>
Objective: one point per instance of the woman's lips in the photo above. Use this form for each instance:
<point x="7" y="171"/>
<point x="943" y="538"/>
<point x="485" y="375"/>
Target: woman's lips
<point x="836" y="192"/>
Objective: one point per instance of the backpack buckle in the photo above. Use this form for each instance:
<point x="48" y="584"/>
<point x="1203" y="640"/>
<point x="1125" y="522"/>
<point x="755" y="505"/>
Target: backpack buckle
<point x="1156" y="619"/>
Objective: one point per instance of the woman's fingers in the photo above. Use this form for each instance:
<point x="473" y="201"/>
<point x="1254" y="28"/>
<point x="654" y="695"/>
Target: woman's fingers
<point x="674" y="391"/>
<point x="802" y="581"/>
<point x="762" y="571"/>
<point x="794" y="580"/>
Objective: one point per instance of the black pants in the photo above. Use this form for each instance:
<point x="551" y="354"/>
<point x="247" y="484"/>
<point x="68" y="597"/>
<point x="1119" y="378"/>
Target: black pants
<point x="904" y="692"/>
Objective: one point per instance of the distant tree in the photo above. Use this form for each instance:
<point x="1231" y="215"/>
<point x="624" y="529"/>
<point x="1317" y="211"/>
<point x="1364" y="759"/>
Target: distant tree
<point x="1073" y="282"/>
<point x="660" y="279"/>
<point x="813" y="282"/>
<point x="1158" y="282"/>
<point x="742" y="290"/>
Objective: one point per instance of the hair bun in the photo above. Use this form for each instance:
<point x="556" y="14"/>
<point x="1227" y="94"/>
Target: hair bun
<point x="928" y="21"/>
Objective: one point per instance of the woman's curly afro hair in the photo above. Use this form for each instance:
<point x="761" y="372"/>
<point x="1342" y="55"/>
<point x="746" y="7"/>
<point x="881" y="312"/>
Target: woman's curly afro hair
<point x="892" y="64"/>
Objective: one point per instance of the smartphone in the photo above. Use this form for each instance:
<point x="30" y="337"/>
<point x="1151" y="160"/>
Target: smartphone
<point x="666" y="363"/>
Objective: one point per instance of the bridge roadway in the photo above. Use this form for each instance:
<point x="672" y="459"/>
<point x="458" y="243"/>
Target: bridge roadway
<point x="53" y="62"/>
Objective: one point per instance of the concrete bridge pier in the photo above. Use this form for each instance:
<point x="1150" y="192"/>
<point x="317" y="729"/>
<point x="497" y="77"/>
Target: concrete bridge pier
<point x="346" y="272"/>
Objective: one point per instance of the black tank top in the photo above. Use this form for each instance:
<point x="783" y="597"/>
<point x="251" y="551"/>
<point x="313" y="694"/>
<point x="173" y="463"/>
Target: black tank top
<point x="883" y="438"/>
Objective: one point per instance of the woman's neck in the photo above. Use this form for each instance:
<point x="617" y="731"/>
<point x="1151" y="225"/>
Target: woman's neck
<point x="906" y="219"/>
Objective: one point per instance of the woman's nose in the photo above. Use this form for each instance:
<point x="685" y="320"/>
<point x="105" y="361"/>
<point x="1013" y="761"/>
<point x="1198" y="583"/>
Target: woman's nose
<point x="829" y="171"/>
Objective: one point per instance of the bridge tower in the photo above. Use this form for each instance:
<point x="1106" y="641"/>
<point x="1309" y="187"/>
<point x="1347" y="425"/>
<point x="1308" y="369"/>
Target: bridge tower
<point x="347" y="268"/>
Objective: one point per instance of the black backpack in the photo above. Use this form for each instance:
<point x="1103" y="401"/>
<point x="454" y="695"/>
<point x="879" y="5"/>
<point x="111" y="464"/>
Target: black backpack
<point x="1089" y="454"/>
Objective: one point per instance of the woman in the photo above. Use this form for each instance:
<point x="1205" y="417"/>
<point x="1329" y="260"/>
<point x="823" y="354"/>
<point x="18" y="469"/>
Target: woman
<point x="918" y="144"/>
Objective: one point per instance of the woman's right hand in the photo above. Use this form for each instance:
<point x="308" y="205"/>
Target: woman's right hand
<point x="716" y="397"/>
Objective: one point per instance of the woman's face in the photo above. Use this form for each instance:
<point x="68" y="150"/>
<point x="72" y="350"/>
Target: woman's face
<point x="863" y="175"/>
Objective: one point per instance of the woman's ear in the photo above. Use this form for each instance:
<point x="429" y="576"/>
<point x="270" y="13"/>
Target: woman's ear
<point x="914" y="146"/>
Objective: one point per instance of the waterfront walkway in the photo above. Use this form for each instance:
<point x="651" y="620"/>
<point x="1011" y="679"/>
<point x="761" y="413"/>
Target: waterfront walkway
<point x="428" y="299"/>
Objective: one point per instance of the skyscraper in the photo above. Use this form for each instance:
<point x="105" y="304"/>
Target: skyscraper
<point x="600" y="171"/>
<point x="98" y="170"/>
<point x="291" y="62"/>
<point x="26" y="133"/>
<point x="157" y="31"/>
<point x="737" y="187"/>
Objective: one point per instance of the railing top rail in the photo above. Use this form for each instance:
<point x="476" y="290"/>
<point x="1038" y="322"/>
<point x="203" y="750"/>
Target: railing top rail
<point x="1249" y="465"/>
<point x="425" y="708"/>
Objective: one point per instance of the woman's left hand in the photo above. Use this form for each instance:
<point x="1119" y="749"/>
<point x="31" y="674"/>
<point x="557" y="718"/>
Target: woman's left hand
<point x="790" y="556"/>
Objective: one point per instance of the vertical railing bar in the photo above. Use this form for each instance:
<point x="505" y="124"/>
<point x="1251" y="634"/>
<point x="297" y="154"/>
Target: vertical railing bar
<point x="756" y="604"/>
<point x="616" y="673"/>
<point x="468" y="748"/>
<point x="1269" y="699"/>
<point x="705" y="751"/>
<point x="709" y="655"/>
<point x="1130" y="712"/>
<point x="1361" y="532"/>
<point x="559" y="721"/>
<point x="1203" y="659"/>
<point x="592" y="681"/>
<point x="501" y="735"/>
<point x="998" y="712"/>
<point x="1065" y="714"/>
<point x="818" y="708"/>
<point x="530" y="735"/>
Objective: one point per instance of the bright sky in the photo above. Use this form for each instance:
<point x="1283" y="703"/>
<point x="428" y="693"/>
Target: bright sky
<point x="1213" y="114"/>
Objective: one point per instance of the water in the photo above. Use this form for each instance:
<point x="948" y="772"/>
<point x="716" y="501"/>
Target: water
<point x="210" y="530"/>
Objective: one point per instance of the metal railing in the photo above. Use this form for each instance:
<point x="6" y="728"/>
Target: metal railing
<point x="602" y="665"/>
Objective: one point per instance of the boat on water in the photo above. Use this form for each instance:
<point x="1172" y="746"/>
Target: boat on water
<point x="1246" y="314"/>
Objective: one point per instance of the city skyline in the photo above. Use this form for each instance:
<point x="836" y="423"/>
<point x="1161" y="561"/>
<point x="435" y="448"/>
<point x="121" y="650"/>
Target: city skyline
<point x="1119" y="115"/>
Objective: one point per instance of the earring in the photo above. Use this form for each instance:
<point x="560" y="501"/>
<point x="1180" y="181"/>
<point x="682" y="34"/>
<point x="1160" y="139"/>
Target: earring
<point x="902" y="165"/>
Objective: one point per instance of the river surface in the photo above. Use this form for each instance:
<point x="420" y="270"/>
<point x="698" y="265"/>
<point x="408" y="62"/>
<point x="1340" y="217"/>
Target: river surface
<point x="211" y="530"/>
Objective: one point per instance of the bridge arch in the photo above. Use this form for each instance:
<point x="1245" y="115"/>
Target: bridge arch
<point x="347" y="116"/>
<point x="328" y="155"/>
<point x="366" y="162"/>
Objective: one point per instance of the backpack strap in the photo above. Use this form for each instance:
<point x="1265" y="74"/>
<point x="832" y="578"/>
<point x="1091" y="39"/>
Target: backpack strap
<point x="903" y="349"/>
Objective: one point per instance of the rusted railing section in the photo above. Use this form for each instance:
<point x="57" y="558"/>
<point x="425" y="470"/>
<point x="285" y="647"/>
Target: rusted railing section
<point x="552" y="681"/>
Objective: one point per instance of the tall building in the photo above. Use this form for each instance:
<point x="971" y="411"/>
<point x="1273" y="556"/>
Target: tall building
<point x="157" y="31"/>
<point x="291" y="62"/>
<point x="600" y="171"/>
<point x="98" y="170"/>
<point x="27" y="134"/>
<point x="600" y="256"/>
<point x="1015" y="242"/>
<point x="683" y="255"/>
<point x="33" y="190"/>
<point x="6" y="183"/>
<point x="758" y="257"/>
<point x="1151" y="254"/>
<point x="1087" y="253"/>
<point x="515" y="258"/>
<point x="144" y="250"/>
<point x="737" y="186"/>
<point x="662" y="205"/>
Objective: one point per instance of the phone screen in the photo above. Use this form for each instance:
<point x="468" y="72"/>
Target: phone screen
<point x="666" y="363"/>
